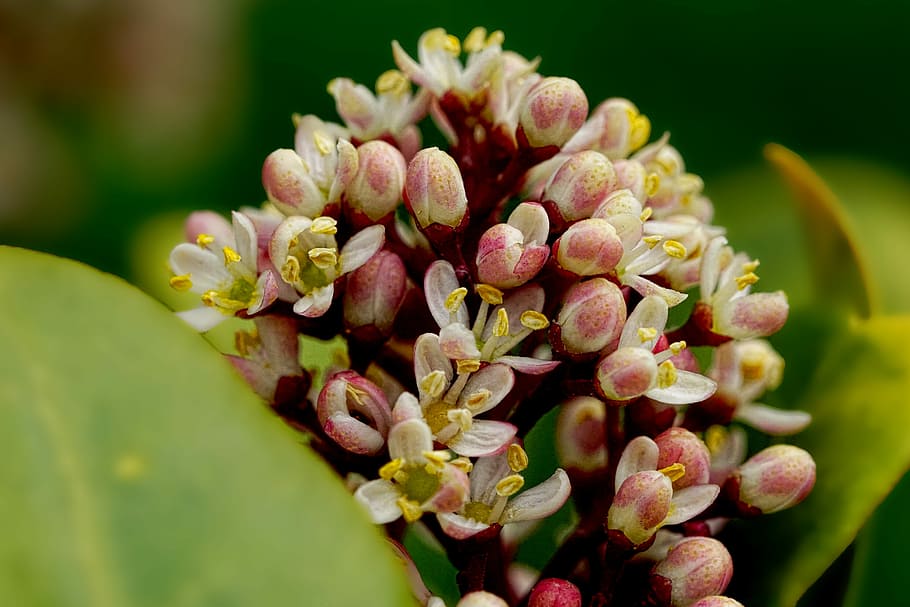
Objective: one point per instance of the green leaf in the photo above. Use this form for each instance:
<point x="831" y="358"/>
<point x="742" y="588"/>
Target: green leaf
<point x="859" y="440"/>
<point x="137" y="469"/>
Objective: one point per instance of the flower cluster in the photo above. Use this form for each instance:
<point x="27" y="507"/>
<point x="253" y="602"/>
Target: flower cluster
<point x="535" y="264"/>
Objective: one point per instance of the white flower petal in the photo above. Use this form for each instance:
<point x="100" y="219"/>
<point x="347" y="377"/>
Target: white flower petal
<point x="690" y="502"/>
<point x="438" y="282"/>
<point x="379" y="497"/>
<point x="205" y="268"/>
<point x="710" y="266"/>
<point x="406" y="407"/>
<point x="484" y="438"/>
<point x="202" y="319"/>
<point x="266" y="292"/>
<point x="410" y="439"/>
<point x="459" y="527"/>
<point x="639" y="455"/>
<point x="428" y="357"/>
<point x="361" y="247"/>
<point x="497" y="379"/>
<point x="488" y="471"/>
<point x="245" y="239"/>
<point x="316" y="303"/>
<point x="650" y="288"/>
<point x="528" y="365"/>
<point x="651" y="313"/>
<point x="688" y="388"/>
<point x="457" y="342"/>
<point x="776" y="422"/>
<point x="540" y="501"/>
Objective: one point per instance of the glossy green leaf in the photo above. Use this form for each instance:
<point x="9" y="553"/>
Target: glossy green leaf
<point x="137" y="469"/>
<point x="859" y="439"/>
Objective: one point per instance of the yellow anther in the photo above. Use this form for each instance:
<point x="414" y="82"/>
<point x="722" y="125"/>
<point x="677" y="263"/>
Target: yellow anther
<point x="467" y="365"/>
<point x="245" y="342"/>
<point x="290" y="270"/>
<point x="474" y="41"/>
<point x="462" y="418"/>
<point x="510" y="485"/>
<point x="437" y="39"/>
<point x="392" y="82"/>
<point x="646" y="214"/>
<point x="652" y="241"/>
<point x="410" y="509"/>
<point x="454" y="299"/>
<point x="323" y="257"/>
<point x="181" y="282"/>
<point x="356" y="394"/>
<point x="646" y="333"/>
<point x="677" y="346"/>
<point x="675" y="249"/>
<point x="534" y="320"/>
<point x="209" y="298"/>
<point x="517" y="458"/>
<point x="436" y="461"/>
<point x="496" y="38"/>
<point x="751" y="266"/>
<point x="401" y="477"/>
<point x="715" y="437"/>
<point x="230" y="256"/>
<point x="296" y="118"/>
<point x="322" y="142"/>
<point x="463" y="464"/>
<point x="668" y="165"/>
<point x="640" y="131"/>
<point x="674" y="472"/>
<point x="391" y="468"/>
<point x="489" y="294"/>
<point x="685" y="201"/>
<point x="478" y="399"/>
<point x="666" y="374"/>
<point x="324" y="225"/>
<point x="501" y="326"/>
<point x="652" y="184"/>
<point x="749" y="278"/>
<point x="204" y="240"/>
<point x="434" y="384"/>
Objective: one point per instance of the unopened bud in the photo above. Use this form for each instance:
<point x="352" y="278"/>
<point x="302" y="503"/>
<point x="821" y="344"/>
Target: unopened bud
<point x="579" y="186"/>
<point x="775" y="478"/>
<point x="588" y="248"/>
<point x="555" y="592"/>
<point x="376" y="188"/>
<point x="640" y="506"/>
<point x="755" y="315"/>
<point x="434" y="189"/>
<point x="626" y="373"/>
<point x="289" y="185"/>
<point x="580" y="443"/>
<point x="510" y="254"/>
<point x="554" y="109"/>
<point x="481" y="598"/>
<point x="375" y="292"/>
<point x="592" y="317"/>
<point x="678" y="445"/>
<point x="695" y="568"/>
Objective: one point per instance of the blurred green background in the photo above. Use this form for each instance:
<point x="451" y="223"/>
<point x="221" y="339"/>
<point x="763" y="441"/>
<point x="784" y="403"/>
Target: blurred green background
<point x="115" y="113"/>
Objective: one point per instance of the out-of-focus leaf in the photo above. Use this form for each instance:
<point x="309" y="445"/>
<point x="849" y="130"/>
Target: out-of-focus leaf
<point x="138" y="469"/>
<point x="860" y="442"/>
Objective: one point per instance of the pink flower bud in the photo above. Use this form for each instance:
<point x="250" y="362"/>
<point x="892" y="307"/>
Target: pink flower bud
<point x="434" y="189"/>
<point x="695" y="568"/>
<point x="774" y="479"/>
<point x="615" y="129"/>
<point x="641" y="506"/>
<point x="620" y="202"/>
<point x="348" y="392"/>
<point x="754" y="315"/>
<point x="626" y="373"/>
<point x="289" y="185"/>
<point x="591" y="318"/>
<point x="554" y="109"/>
<point x="716" y="601"/>
<point x="374" y="294"/>
<point x="376" y="188"/>
<point x="588" y="248"/>
<point x="679" y="446"/>
<point x="510" y="254"/>
<point x="579" y="186"/>
<point x="555" y="592"/>
<point x="632" y="175"/>
<point x="580" y="442"/>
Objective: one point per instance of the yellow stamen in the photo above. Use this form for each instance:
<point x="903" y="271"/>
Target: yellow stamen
<point x="208" y="298"/>
<point x="501" y="326"/>
<point x="517" y="458"/>
<point x="474" y="41"/>
<point x="531" y="319"/>
<point x="652" y="241"/>
<point x="674" y="471"/>
<point x="677" y="346"/>
<point x="751" y="266"/>
<point x="230" y="256"/>
<point x="436" y="461"/>
<point x="355" y="394"/>
<point x="296" y="118"/>
<point x="290" y="271"/>
<point x="322" y="142"/>
<point x="324" y="225"/>
<point x="454" y="299"/>
<point x="463" y="418"/>
<point x="646" y="214"/>
<point x="323" y="257"/>
<point x="181" y="282"/>
<point x="204" y="240"/>
<point x="463" y="464"/>
<point x="652" y="184"/>
<point x="388" y="470"/>
<point x="410" y="509"/>
<point x="750" y="278"/>
<point x="666" y="374"/>
<point x="510" y="485"/>
<point x="478" y="399"/>
<point x="437" y="39"/>
<point x="675" y="249"/>
<point x="489" y="294"/>
<point x="392" y="82"/>
<point x="245" y="342"/>
<point x="467" y="365"/>
<point x="647" y="334"/>
<point x="640" y="131"/>
<point x="434" y="383"/>
<point x="715" y="437"/>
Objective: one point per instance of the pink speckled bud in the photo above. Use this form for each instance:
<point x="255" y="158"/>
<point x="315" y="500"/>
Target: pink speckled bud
<point x="374" y="294"/>
<point x="376" y="188"/>
<point x="578" y="187"/>
<point x="620" y="202"/>
<point x="510" y="254"/>
<point x="679" y="446"/>
<point x="625" y="374"/>
<point x="554" y="109"/>
<point x="554" y="592"/>
<point x="640" y="506"/>
<point x="773" y="479"/>
<point x="592" y="317"/>
<point x="632" y="175"/>
<point x="695" y="568"/>
<point x="755" y="315"/>
<point x="588" y="248"/>
<point x="289" y="185"/>
<point x="348" y="392"/>
<point x="716" y="601"/>
<point x="481" y="598"/>
<point x="580" y="443"/>
<point x="434" y="189"/>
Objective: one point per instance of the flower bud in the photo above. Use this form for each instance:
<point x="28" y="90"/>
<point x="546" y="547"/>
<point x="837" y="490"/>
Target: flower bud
<point x="434" y="189"/>
<point x="588" y="248"/>
<point x="592" y="317"/>
<point x="374" y="294"/>
<point x="580" y="443"/>
<point x="555" y="592"/>
<point x="773" y="479"/>
<point x="625" y="374"/>
<point x="481" y="598"/>
<point x="640" y="506"/>
<point x="554" y="109"/>
<point x="695" y="568"/>
<point x="633" y="176"/>
<point x="620" y="202"/>
<point x="716" y="601"/>
<point x="679" y="446"/>
<point x="346" y="392"/>
<point x="510" y="254"/>
<point x="754" y="315"/>
<point x="579" y="186"/>
<point x="289" y="185"/>
<point x="375" y="190"/>
<point x="615" y="129"/>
